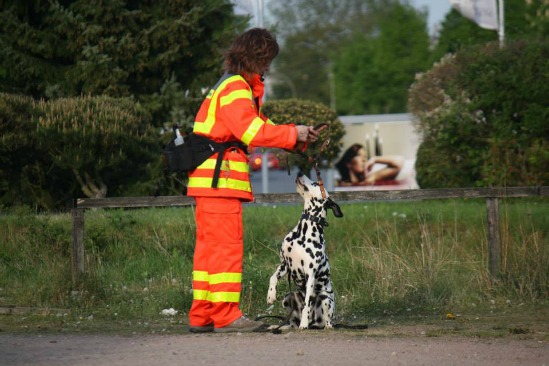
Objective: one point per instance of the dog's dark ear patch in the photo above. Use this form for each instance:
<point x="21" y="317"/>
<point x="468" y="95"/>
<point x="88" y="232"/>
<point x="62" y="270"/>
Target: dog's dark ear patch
<point x="334" y="206"/>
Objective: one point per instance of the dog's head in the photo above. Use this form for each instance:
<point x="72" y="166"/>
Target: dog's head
<point x="312" y="195"/>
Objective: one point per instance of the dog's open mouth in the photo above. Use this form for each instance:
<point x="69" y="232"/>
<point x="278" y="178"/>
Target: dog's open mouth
<point x="298" y="178"/>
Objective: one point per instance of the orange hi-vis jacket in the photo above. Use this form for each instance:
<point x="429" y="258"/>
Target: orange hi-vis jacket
<point x="231" y="112"/>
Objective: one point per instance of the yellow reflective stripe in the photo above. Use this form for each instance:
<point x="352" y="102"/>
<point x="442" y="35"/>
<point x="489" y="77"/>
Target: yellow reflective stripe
<point x="199" y="182"/>
<point x="227" y="277"/>
<point x="200" y="276"/>
<point x="216" y="296"/>
<point x="239" y="166"/>
<point x="206" y="126"/>
<point x="210" y="164"/>
<point x="224" y="297"/>
<point x="237" y="94"/>
<point x="226" y="165"/>
<point x="201" y="294"/>
<point x="250" y="133"/>
<point x="269" y="122"/>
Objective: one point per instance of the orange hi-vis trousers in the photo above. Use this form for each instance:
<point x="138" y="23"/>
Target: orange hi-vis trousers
<point x="217" y="267"/>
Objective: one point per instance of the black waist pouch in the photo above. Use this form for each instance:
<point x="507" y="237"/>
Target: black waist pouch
<point x="194" y="151"/>
<point x="190" y="154"/>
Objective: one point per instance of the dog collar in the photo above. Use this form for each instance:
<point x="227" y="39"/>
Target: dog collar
<point x="318" y="220"/>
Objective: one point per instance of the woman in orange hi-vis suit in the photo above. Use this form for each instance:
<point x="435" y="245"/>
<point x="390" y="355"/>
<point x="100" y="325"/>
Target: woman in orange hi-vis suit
<point x="231" y="113"/>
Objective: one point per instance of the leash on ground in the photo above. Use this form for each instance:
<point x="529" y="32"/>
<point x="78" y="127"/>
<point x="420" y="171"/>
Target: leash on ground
<point x="285" y="321"/>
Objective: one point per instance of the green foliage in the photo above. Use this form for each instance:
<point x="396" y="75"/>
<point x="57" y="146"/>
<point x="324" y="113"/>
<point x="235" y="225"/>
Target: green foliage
<point x="361" y="56"/>
<point x="356" y="56"/>
<point x="483" y="117"/>
<point x="104" y="142"/>
<point x="458" y="32"/>
<point x="409" y="258"/>
<point x="311" y="33"/>
<point x="27" y="174"/>
<point x="51" y="49"/>
<point x="374" y="70"/>
<point x="54" y="151"/>
<point x="523" y="19"/>
<point x="303" y="112"/>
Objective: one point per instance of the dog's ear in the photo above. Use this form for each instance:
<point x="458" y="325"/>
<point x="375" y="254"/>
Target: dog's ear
<point x="334" y="206"/>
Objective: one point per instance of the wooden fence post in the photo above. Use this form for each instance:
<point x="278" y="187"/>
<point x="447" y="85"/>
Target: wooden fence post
<point x="77" y="244"/>
<point x="492" y="208"/>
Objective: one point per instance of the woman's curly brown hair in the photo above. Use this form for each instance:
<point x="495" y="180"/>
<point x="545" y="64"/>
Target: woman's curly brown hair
<point x="251" y="52"/>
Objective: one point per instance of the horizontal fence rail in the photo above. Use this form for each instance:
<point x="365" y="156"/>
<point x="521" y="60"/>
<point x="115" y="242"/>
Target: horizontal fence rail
<point x="341" y="196"/>
<point x="490" y="194"/>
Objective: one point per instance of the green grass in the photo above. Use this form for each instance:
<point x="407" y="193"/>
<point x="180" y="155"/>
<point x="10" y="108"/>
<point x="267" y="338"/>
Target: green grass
<point x="423" y="258"/>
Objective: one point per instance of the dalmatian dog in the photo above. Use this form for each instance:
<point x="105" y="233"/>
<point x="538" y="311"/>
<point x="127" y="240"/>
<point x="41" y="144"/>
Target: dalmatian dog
<point x="303" y="257"/>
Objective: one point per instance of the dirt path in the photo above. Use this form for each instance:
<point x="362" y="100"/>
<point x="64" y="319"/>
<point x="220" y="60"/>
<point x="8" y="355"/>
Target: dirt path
<point x="293" y="348"/>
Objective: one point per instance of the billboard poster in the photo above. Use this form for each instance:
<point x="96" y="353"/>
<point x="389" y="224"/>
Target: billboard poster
<point x="379" y="153"/>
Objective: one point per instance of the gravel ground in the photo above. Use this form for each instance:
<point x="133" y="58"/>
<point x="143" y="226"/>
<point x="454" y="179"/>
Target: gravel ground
<point x="292" y="348"/>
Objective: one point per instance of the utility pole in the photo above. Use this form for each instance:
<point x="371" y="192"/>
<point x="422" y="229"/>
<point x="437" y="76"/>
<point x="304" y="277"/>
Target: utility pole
<point x="265" y="156"/>
<point x="501" y="24"/>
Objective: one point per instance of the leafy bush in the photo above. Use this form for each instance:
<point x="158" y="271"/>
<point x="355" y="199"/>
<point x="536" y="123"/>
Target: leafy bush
<point x="482" y="114"/>
<point x="53" y="151"/>
<point x="104" y="142"/>
<point x="303" y="112"/>
<point x="26" y="172"/>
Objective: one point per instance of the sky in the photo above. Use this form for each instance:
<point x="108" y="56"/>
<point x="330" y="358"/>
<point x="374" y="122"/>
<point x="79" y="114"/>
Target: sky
<point x="437" y="9"/>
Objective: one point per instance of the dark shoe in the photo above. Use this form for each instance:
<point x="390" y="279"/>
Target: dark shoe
<point x="202" y="328"/>
<point x="242" y="324"/>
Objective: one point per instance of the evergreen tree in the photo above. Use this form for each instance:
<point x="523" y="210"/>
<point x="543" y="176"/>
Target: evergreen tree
<point x="118" y="48"/>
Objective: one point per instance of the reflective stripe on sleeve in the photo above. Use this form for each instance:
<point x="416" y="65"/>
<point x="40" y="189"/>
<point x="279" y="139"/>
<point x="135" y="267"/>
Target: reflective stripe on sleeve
<point x="252" y="130"/>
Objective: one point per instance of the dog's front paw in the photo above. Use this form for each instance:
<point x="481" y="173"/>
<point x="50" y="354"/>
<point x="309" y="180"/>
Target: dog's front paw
<point x="271" y="297"/>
